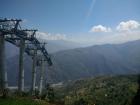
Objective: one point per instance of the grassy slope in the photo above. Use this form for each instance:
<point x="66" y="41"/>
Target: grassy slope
<point x="22" y="101"/>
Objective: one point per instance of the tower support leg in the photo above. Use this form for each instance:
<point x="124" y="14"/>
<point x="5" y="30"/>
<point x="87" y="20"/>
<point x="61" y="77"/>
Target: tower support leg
<point x="3" y="71"/>
<point x="21" y="66"/>
<point x="33" y="74"/>
<point x="41" y="77"/>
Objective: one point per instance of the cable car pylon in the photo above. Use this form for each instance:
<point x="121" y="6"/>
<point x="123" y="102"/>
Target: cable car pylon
<point x="11" y="31"/>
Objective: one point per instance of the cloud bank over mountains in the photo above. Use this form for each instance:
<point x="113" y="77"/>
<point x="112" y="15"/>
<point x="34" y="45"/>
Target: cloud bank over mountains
<point x="123" y="32"/>
<point x="100" y="34"/>
<point x="50" y="36"/>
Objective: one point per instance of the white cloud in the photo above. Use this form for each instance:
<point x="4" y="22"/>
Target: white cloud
<point x="100" y="28"/>
<point x="128" y="25"/>
<point x="50" y="36"/>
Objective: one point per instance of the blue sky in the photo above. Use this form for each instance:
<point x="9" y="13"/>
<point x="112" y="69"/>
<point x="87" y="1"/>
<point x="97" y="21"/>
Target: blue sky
<point x="73" y="18"/>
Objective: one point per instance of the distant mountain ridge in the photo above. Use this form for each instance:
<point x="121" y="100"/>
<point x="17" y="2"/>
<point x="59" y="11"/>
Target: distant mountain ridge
<point x="98" y="60"/>
<point x="52" y="47"/>
<point x="60" y="45"/>
<point x="109" y="59"/>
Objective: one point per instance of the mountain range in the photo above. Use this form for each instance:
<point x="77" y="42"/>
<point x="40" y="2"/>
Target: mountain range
<point x="72" y="64"/>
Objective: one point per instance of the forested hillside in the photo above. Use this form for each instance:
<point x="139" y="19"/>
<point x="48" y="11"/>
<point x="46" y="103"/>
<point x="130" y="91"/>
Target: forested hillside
<point x="105" y="90"/>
